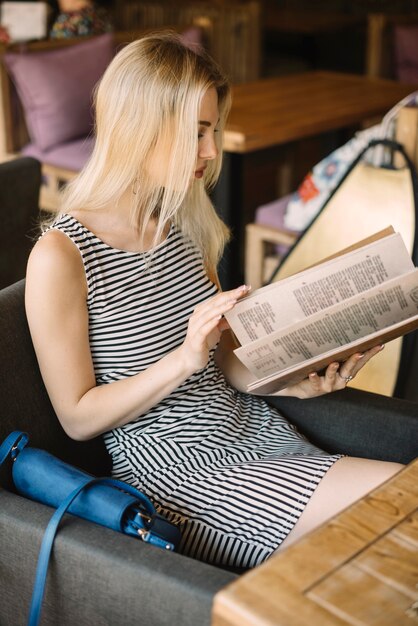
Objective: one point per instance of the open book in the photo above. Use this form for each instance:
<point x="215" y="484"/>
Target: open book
<point x="364" y="296"/>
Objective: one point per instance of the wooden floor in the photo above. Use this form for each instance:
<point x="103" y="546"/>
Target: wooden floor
<point x="360" y="569"/>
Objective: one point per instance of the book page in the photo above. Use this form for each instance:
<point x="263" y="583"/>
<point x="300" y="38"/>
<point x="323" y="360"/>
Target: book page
<point x="296" y="298"/>
<point x="346" y="322"/>
<point x="293" y="375"/>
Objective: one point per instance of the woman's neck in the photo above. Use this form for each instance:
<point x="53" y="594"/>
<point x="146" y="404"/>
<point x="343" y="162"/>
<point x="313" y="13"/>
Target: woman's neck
<point x="113" y="224"/>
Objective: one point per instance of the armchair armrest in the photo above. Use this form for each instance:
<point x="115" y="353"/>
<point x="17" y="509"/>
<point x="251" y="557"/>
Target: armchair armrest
<point x="257" y="237"/>
<point x="357" y="423"/>
<point x="98" y="576"/>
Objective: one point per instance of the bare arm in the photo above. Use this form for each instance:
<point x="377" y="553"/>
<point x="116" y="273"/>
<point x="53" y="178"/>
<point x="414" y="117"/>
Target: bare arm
<point x="57" y="313"/>
<point x="235" y="372"/>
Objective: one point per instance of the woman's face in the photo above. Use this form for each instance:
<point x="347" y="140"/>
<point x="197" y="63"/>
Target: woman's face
<point x="207" y="127"/>
<point x="208" y="122"/>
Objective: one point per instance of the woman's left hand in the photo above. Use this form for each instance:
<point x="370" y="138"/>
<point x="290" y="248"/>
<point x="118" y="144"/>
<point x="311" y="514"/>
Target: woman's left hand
<point x="336" y="376"/>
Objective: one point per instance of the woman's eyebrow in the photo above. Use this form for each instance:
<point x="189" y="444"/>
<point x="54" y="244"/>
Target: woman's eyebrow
<point x="208" y="124"/>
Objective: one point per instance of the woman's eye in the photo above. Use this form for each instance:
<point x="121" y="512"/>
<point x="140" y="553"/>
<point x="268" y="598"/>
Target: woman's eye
<point x="202" y="133"/>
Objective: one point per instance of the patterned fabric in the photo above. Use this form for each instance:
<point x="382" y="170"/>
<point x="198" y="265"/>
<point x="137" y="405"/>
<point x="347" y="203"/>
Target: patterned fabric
<point x="223" y="465"/>
<point x="303" y="206"/>
<point x="90" y="20"/>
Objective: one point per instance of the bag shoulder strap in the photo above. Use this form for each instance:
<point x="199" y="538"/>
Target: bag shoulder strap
<point x="12" y="445"/>
<point x="51" y="531"/>
<point x="386" y="143"/>
<point x="44" y="556"/>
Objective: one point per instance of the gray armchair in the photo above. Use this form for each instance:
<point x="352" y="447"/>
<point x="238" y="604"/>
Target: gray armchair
<point x="98" y="577"/>
<point x="20" y="183"/>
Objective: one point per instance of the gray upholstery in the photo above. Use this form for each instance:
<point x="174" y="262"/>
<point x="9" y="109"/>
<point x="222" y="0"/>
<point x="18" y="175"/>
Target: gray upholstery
<point x="100" y="577"/>
<point x="25" y="403"/>
<point x="357" y="423"/>
<point x="20" y="183"/>
<point x="97" y="576"/>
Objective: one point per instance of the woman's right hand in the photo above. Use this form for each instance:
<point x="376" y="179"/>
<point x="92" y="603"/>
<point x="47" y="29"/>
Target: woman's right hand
<point x="206" y="325"/>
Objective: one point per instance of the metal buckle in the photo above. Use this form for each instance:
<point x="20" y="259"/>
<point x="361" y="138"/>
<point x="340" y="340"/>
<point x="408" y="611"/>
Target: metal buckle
<point x="147" y="519"/>
<point x="143" y="533"/>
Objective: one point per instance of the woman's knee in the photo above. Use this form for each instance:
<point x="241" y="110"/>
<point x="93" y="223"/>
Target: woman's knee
<point x="348" y="480"/>
<point x="363" y="475"/>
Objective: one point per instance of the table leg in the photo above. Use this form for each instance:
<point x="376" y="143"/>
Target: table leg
<point x="222" y="199"/>
<point x="246" y="182"/>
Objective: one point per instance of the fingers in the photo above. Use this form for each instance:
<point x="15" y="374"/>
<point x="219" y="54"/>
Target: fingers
<point x="330" y="381"/>
<point x="219" y="304"/>
<point x="206" y="323"/>
<point x="349" y="368"/>
<point x="336" y="376"/>
<point x="233" y="295"/>
<point x="356" y="362"/>
<point x="204" y="331"/>
<point x="223" y="325"/>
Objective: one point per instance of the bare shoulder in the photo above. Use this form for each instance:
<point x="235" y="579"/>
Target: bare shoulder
<point x="55" y="256"/>
<point x="55" y="267"/>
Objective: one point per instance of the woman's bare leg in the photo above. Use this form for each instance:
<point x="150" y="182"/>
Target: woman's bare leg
<point x="348" y="480"/>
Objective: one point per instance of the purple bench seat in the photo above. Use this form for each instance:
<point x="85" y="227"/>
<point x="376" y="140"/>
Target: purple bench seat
<point x="71" y="155"/>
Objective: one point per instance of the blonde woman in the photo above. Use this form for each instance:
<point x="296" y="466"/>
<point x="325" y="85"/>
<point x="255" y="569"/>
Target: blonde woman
<point x="127" y="322"/>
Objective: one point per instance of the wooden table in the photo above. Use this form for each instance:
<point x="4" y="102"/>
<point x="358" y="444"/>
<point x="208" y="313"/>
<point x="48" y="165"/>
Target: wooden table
<point x="360" y="569"/>
<point x="272" y="123"/>
<point x="275" y="111"/>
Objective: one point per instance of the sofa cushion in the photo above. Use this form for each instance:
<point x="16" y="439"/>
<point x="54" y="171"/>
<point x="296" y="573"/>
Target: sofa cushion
<point x="406" y="53"/>
<point x="99" y="577"/>
<point x="71" y="155"/>
<point x="55" y="88"/>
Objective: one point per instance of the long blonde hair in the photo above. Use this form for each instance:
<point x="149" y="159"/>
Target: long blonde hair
<point x="149" y="97"/>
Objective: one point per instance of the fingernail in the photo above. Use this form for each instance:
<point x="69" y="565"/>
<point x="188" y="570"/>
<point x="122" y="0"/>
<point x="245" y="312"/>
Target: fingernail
<point x="360" y="356"/>
<point x="244" y="288"/>
<point x="382" y="346"/>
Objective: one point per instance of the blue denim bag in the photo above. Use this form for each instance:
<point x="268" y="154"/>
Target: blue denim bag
<point x="42" y="477"/>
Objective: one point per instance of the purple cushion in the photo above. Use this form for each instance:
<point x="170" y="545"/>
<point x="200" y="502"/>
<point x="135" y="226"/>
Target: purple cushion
<point x="272" y="214"/>
<point x="71" y="155"/>
<point x="55" y="88"/>
<point x="192" y="37"/>
<point x="406" y="53"/>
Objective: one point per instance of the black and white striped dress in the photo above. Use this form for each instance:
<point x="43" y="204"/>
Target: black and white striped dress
<point x="224" y="465"/>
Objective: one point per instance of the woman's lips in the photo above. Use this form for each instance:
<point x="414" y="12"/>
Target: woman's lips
<point x="199" y="173"/>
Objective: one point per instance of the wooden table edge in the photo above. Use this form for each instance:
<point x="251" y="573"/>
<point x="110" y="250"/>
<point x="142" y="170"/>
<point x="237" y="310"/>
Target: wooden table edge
<point x="248" y="601"/>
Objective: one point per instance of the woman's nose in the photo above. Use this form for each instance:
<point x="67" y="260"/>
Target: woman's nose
<point x="208" y="149"/>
